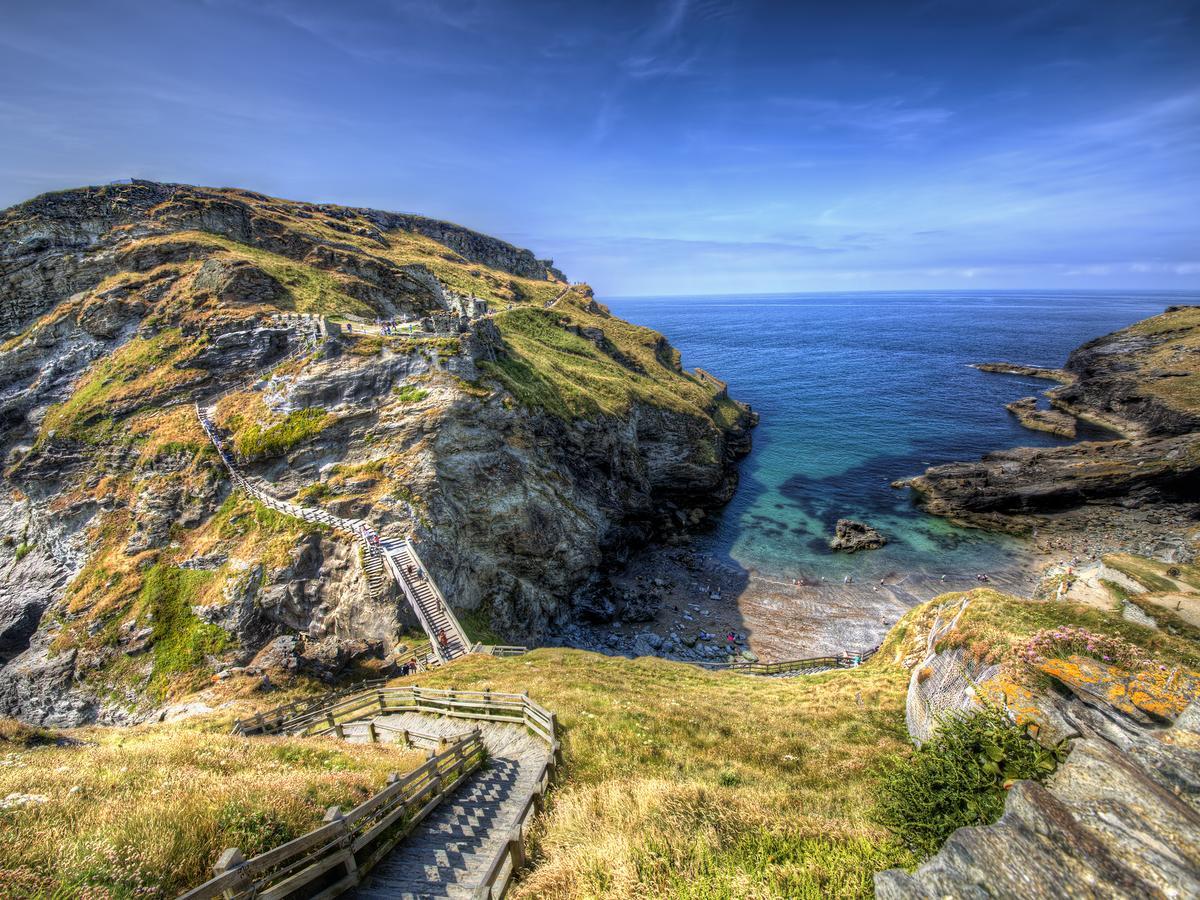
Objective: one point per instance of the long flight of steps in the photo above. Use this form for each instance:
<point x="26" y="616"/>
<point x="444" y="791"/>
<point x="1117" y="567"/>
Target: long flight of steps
<point x="434" y="613"/>
<point x="436" y="616"/>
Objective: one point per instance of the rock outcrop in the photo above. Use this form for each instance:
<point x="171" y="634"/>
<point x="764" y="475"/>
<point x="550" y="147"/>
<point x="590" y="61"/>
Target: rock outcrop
<point x="1143" y="381"/>
<point x="850" y="537"/>
<point x="1054" y="421"/>
<point x="524" y="449"/>
<point x="1121" y="819"/>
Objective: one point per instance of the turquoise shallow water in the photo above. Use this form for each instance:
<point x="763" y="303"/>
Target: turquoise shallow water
<point x="857" y="390"/>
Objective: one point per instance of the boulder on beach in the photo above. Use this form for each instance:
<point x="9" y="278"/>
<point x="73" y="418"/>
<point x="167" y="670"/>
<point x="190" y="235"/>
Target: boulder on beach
<point x="851" y="536"/>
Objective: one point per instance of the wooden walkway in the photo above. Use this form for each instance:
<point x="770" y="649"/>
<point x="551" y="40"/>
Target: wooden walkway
<point x="450" y="854"/>
<point x="379" y="558"/>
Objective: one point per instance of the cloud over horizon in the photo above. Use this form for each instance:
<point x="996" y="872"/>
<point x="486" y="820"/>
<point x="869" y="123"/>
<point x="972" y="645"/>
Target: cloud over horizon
<point x="683" y="146"/>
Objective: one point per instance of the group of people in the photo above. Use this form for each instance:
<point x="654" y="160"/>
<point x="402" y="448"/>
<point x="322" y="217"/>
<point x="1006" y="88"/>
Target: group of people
<point x="389" y="326"/>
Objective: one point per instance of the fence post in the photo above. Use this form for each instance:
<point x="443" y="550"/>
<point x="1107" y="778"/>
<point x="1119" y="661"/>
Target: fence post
<point x="517" y="848"/>
<point x="334" y="814"/>
<point x="372" y="735"/>
<point x="228" y="861"/>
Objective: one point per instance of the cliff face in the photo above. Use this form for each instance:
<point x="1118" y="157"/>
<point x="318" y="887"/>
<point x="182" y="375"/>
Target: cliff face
<point x="1143" y="381"/>
<point x="520" y="433"/>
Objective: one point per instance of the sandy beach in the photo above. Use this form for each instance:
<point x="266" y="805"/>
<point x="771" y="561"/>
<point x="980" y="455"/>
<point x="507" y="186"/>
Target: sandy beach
<point x="683" y="595"/>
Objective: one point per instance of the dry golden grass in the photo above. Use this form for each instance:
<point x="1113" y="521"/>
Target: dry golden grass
<point x="685" y="783"/>
<point x="1178" y="354"/>
<point x="146" y="811"/>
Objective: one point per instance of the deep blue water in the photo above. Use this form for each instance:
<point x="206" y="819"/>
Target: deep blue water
<point x="857" y="390"/>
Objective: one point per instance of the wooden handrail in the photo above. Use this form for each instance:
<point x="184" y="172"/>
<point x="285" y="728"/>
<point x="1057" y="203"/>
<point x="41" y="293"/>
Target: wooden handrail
<point x="343" y="850"/>
<point x="337" y="855"/>
<point x="843" y="661"/>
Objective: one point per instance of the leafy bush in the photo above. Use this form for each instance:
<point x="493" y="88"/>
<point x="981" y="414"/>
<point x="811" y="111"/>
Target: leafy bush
<point x="410" y="393"/>
<point x="960" y="778"/>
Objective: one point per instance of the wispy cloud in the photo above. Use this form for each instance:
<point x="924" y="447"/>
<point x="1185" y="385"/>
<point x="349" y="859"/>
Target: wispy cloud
<point x="894" y="118"/>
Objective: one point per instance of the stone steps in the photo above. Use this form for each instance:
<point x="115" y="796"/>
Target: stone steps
<point x="449" y="854"/>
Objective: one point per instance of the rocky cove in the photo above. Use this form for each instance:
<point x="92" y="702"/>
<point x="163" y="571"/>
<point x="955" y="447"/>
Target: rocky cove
<point x="554" y="463"/>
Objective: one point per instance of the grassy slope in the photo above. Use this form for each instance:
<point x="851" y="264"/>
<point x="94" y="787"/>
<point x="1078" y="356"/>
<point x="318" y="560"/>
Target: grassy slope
<point x="146" y="811"/>
<point x="553" y="368"/>
<point x="678" y="782"/>
<point x="686" y="783"/>
<point x="124" y="398"/>
<point x="1178" y="354"/>
<point x="994" y="622"/>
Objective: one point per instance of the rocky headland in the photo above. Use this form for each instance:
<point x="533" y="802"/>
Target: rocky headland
<point x="1141" y="491"/>
<point x="522" y="435"/>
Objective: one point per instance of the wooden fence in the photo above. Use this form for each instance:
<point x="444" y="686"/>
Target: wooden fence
<point x="270" y="721"/>
<point x="843" y="661"/>
<point x="499" y="650"/>
<point x="337" y="856"/>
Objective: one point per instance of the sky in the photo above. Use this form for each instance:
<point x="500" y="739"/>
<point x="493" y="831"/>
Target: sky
<point x="670" y="147"/>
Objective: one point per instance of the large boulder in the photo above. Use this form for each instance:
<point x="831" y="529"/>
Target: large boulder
<point x="851" y="536"/>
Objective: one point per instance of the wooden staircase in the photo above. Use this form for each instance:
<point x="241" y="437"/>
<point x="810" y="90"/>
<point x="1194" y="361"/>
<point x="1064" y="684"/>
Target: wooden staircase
<point x="445" y="632"/>
<point x="379" y="558"/>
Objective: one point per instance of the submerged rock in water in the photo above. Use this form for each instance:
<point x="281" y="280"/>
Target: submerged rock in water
<point x="851" y="536"/>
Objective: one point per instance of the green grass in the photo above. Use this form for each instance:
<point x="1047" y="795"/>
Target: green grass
<point x="1154" y="575"/>
<point x="310" y="289"/>
<point x="551" y="368"/>
<point x="477" y="623"/>
<point x="686" y="783"/>
<point x="994" y="622"/>
<point x="23" y="550"/>
<point x="276" y="439"/>
<point x="138" y="375"/>
<point x="146" y="811"/>
<point x="181" y="642"/>
<point x="410" y="393"/>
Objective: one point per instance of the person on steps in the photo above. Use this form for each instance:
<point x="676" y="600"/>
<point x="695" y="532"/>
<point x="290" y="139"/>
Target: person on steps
<point x="442" y="642"/>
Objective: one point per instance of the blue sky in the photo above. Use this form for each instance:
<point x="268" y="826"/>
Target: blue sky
<point x="686" y="146"/>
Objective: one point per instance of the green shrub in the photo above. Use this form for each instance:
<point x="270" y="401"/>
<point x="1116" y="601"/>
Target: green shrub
<point x="23" y="550"/>
<point x="960" y="777"/>
<point x="410" y="393"/>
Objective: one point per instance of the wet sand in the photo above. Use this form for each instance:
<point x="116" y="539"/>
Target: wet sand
<point x="680" y="597"/>
<point x="782" y="620"/>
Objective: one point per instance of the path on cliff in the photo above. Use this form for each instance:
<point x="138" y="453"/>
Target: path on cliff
<point x="451" y="853"/>
<point x="379" y="557"/>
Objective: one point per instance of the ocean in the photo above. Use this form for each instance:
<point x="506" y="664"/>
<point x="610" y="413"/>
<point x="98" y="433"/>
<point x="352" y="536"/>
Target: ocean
<point x="856" y="390"/>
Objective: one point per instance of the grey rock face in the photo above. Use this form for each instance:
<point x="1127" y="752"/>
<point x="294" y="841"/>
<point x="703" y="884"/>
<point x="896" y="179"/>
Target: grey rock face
<point x="514" y="510"/>
<point x="1115" y="821"/>
<point x="1030" y="480"/>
